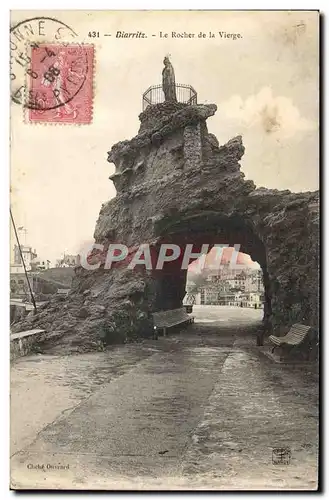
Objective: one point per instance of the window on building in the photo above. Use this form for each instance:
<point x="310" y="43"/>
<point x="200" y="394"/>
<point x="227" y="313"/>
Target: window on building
<point x="17" y="257"/>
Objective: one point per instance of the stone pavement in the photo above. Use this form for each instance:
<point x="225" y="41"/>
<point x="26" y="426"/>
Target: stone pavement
<point x="200" y="409"/>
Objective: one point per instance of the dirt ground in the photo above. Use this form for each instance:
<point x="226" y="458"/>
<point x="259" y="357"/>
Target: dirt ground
<point x="203" y="408"/>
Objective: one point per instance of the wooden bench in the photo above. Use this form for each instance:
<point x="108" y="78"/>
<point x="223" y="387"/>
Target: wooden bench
<point x="295" y="337"/>
<point x="166" y="319"/>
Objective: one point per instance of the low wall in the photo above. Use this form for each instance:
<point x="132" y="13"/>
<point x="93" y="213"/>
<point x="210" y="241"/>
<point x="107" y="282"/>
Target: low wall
<point x="17" y="312"/>
<point x="22" y="343"/>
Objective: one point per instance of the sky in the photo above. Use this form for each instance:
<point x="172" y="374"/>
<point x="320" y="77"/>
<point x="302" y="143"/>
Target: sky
<point x="265" y="85"/>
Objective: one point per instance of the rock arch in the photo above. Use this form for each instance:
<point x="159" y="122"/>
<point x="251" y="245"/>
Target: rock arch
<point x="173" y="179"/>
<point x="207" y="228"/>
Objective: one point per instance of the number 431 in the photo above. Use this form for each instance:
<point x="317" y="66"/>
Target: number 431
<point x="93" y="34"/>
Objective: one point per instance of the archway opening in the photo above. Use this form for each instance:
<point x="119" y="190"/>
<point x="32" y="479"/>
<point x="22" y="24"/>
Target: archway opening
<point x="201" y="236"/>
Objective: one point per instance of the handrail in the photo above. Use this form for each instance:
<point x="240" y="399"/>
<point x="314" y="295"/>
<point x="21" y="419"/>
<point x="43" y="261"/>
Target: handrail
<point x="186" y="94"/>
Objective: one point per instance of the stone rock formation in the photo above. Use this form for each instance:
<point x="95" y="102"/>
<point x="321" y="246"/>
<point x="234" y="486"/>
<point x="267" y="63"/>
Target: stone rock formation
<point x="176" y="184"/>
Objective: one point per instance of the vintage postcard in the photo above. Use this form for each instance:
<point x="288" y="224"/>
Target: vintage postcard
<point x="164" y="268"/>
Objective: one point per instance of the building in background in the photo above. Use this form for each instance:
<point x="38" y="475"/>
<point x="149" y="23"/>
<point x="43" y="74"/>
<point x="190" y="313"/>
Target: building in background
<point x="43" y="280"/>
<point x="68" y="261"/>
<point x="230" y="287"/>
<point x="40" y="265"/>
<point x="16" y="265"/>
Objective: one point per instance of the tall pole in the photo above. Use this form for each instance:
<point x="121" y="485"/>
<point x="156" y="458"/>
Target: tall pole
<point x="22" y="258"/>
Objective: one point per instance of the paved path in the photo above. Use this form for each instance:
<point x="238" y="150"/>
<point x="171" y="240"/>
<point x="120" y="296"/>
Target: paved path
<point x="201" y="409"/>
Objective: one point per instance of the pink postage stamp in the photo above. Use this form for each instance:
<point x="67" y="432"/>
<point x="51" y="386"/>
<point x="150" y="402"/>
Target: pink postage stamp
<point x="60" y="84"/>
